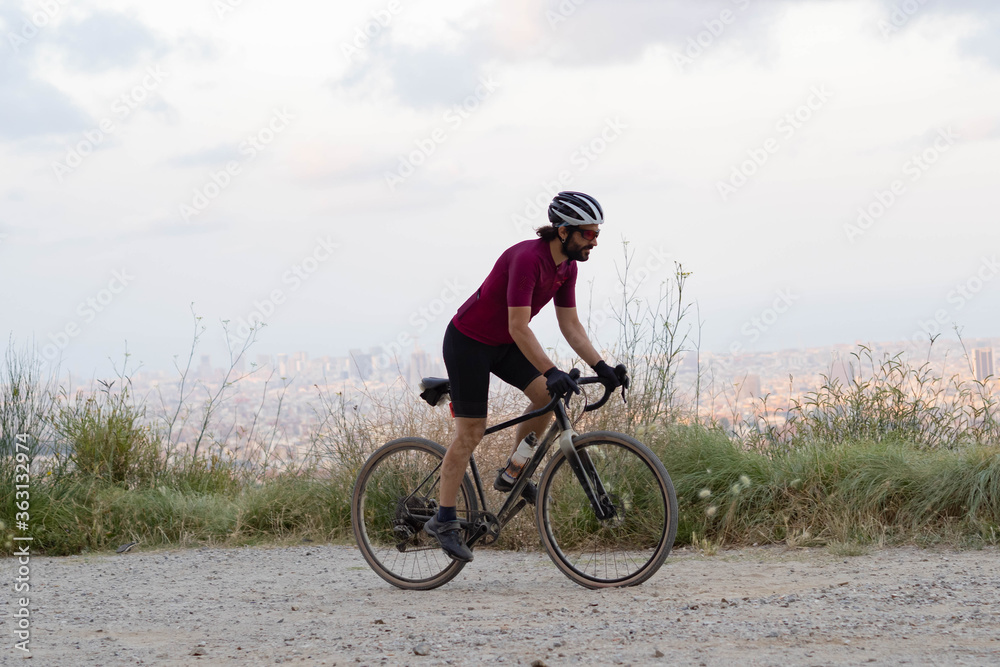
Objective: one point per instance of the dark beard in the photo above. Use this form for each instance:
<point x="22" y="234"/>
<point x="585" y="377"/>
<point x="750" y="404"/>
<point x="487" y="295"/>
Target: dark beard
<point x="575" y="255"/>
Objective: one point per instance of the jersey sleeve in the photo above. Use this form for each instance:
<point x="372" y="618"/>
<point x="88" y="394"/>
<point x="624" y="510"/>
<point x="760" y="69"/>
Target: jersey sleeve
<point x="565" y="297"/>
<point x="522" y="277"/>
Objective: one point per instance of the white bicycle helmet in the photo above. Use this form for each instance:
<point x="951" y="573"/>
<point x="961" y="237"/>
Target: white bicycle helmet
<point x="575" y="208"/>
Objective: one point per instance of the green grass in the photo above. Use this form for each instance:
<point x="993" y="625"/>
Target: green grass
<point x="850" y="496"/>
<point x="852" y="492"/>
<point x="890" y="459"/>
<point x="74" y="516"/>
<point x="842" y="499"/>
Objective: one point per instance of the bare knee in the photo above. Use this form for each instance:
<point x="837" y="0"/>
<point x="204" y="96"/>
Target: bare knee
<point x="468" y="434"/>
<point x="537" y="393"/>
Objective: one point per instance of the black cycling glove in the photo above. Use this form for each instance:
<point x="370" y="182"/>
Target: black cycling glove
<point x="623" y="378"/>
<point x="559" y="383"/>
<point x="618" y="376"/>
<point x="606" y="373"/>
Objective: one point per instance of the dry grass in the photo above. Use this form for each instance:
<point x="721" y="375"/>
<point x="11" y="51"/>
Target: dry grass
<point x="901" y="453"/>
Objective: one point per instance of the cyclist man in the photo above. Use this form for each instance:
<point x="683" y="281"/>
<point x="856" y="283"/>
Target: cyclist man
<point x="490" y="333"/>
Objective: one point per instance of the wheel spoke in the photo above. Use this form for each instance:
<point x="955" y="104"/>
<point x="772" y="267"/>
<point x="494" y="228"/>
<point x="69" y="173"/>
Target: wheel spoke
<point x="631" y="545"/>
<point x="396" y="490"/>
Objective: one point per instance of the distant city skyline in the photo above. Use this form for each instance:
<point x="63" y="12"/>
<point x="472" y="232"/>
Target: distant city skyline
<point x="292" y="392"/>
<point x="368" y="364"/>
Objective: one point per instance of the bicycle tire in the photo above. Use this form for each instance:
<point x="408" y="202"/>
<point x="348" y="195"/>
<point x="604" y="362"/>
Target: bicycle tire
<point x="380" y="510"/>
<point x="627" y="549"/>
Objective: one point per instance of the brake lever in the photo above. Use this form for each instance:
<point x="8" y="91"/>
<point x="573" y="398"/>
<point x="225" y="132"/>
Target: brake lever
<point x="622" y="374"/>
<point x="574" y="375"/>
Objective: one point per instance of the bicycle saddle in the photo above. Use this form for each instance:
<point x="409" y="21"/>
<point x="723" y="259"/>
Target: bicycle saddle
<point x="435" y="390"/>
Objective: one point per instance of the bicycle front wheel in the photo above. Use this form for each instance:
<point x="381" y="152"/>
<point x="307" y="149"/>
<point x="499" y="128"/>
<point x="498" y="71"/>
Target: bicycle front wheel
<point x="630" y="546"/>
<point x="396" y="492"/>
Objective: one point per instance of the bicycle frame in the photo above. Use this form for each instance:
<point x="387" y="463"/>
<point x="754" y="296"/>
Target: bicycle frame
<point x="562" y="431"/>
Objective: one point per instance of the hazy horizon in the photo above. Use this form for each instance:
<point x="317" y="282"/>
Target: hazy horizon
<point x="349" y="174"/>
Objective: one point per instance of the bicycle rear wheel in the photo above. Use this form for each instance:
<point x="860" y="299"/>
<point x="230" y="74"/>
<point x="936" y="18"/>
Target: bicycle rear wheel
<point x="396" y="492"/>
<point x="626" y="549"/>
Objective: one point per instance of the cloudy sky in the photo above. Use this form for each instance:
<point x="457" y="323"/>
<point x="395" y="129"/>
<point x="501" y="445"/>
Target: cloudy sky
<point x="349" y="172"/>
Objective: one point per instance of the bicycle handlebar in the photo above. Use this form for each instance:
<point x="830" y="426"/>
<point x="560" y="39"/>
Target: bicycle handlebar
<point x="608" y="390"/>
<point x="575" y="374"/>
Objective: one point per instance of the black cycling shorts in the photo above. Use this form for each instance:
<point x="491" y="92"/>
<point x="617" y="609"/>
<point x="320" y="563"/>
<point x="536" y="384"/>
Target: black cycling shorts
<point x="469" y="365"/>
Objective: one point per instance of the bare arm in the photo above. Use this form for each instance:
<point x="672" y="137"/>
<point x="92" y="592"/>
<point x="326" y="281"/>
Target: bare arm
<point x="576" y="335"/>
<point x="517" y="324"/>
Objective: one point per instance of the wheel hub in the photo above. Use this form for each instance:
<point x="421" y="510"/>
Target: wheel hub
<point x="614" y="508"/>
<point x="411" y="513"/>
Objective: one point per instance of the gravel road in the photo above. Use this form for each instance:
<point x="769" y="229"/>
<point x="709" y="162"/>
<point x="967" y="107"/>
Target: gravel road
<point x="320" y="604"/>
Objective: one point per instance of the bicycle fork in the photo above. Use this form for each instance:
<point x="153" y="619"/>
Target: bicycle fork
<point x="583" y="467"/>
<point x="580" y="463"/>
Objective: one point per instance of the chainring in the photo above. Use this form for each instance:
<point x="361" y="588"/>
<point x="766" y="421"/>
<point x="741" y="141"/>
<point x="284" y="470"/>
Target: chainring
<point x="487" y="527"/>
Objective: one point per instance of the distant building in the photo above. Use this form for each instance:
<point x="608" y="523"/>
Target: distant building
<point x="751" y="386"/>
<point x="420" y="366"/>
<point x="983" y="363"/>
<point x="361" y="365"/>
<point x="796" y="362"/>
<point x="842" y="372"/>
<point x="337" y="368"/>
<point x="300" y="362"/>
<point x="204" y="369"/>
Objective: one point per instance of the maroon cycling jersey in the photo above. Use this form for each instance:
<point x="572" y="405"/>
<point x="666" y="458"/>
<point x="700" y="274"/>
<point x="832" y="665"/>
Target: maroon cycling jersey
<point x="525" y="275"/>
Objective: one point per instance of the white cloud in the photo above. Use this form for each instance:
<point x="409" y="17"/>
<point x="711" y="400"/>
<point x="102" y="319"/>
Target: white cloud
<point x="687" y="128"/>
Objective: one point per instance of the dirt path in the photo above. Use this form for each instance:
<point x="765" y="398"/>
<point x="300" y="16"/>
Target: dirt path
<point x="320" y="604"/>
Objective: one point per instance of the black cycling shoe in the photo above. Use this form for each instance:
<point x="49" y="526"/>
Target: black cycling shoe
<point x="449" y="535"/>
<point x="529" y="492"/>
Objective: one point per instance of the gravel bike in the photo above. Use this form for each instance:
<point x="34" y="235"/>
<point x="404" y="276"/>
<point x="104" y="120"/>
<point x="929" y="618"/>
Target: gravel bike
<point x="605" y="508"/>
